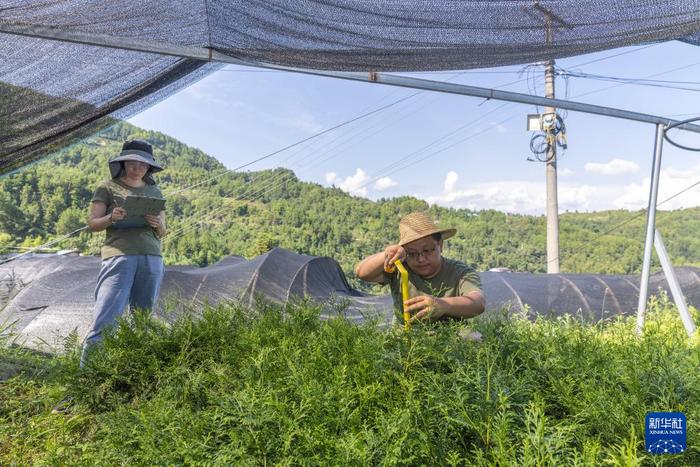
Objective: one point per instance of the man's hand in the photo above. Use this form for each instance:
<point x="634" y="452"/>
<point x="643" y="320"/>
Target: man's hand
<point x="393" y="253"/>
<point x="425" y="307"/>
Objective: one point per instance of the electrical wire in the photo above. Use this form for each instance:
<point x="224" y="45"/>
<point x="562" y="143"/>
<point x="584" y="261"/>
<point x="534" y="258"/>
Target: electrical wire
<point x="298" y="143"/>
<point x="634" y="81"/>
<point x="381" y="108"/>
<point x="43" y="246"/>
<point x="316" y="135"/>
<point x="406" y="165"/>
<point x="644" y="77"/>
<point x="637" y="49"/>
<point x="641" y="213"/>
<point x="329" y="130"/>
<point x="287" y="177"/>
<point x="410" y="160"/>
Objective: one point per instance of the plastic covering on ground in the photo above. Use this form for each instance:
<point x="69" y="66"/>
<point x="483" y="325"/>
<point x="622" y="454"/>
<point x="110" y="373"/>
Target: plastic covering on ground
<point x="46" y="298"/>
<point x="54" y="93"/>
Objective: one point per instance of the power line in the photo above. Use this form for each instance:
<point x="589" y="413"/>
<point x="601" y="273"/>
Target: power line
<point x="44" y="246"/>
<point x="339" y="126"/>
<point x="635" y="81"/>
<point x="371" y="113"/>
<point x="323" y="132"/>
<point x="644" y="211"/>
<point x="526" y="69"/>
<point x="647" y="76"/>
<point x="396" y="165"/>
<point x="283" y="178"/>
<point x="617" y="54"/>
<point x="629" y="80"/>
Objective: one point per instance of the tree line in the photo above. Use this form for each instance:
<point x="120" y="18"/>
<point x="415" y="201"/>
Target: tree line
<point x="248" y="213"/>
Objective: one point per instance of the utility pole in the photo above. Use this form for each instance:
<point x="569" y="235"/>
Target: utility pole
<point x="551" y="156"/>
<point x="551" y="172"/>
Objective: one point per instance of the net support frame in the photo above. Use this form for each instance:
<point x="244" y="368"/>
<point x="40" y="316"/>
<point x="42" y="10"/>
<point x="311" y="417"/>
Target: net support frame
<point x="653" y="240"/>
<point x="211" y="55"/>
<point x="651" y="226"/>
<point x="673" y="284"/>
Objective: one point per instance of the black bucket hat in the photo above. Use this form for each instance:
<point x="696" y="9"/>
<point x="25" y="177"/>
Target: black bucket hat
<point x="135" y="150"/>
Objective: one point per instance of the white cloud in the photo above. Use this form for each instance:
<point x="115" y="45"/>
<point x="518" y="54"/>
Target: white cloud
<point x="671" y="182"/>
<point x="527" y="197"/>
<point x="303" y="121"/>
<point x="450" y="181"/>
<point x="614" y="167"/>
<point x="384" y="183"/>
<point x="352" y="184"/>
<point x="509" y="196"/>
<point x="212" y="95"/>
<point x="499" y="128"/>
<point x="565" y="172"/>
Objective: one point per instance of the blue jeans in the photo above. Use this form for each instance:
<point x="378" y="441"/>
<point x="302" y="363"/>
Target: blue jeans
<point x="132" y="279"/>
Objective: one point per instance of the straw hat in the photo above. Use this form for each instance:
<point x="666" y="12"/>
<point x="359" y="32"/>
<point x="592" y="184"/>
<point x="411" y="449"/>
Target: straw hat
<point x="418" y="225"/>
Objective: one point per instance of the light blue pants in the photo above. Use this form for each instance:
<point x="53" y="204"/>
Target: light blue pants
<point x="132" y="279"/>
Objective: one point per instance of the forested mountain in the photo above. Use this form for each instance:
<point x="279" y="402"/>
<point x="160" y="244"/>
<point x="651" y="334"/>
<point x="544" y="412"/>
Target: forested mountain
<point x="248" y="213"/>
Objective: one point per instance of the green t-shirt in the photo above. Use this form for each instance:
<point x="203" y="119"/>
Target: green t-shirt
<point x="455" y="279"/>
<point x="127" y="241"/>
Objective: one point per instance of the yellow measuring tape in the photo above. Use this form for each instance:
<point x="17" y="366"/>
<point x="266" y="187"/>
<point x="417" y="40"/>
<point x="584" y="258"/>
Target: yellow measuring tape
<point x="404" y="290"/>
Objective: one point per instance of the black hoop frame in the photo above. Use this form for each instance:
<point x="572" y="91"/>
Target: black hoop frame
<point x="674" y="125"/>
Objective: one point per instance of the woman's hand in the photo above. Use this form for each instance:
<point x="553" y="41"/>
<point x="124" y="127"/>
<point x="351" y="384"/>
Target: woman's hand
<point x="117" y="214"/>
<point x="425" y="307"/>
<point x="154" y="221"/>
<point x="157" y="223"/>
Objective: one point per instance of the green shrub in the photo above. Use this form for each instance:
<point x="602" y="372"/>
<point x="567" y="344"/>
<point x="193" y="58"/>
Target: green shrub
<point x="278" y="386"/>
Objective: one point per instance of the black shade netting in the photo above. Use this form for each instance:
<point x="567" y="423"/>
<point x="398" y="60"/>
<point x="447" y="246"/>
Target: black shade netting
<point x="54" y="93"/>
<point x="48" y="297"/>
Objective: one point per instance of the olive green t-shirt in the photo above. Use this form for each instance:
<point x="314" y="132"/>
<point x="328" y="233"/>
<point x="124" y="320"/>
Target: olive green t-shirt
<point x="127" y="241"/>
<point x="455" y="279"/>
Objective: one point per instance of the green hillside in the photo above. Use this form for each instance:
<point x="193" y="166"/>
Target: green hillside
<point x="248" y="213"/>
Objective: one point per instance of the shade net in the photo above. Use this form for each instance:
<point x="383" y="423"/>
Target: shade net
<point x="54" y="93"/>
<point x="47" y="298"/>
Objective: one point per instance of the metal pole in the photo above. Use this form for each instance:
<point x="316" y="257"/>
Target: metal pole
<point x="673" y="284"/>
<point x="651" y="222"/>
<point x="551" y="173"/>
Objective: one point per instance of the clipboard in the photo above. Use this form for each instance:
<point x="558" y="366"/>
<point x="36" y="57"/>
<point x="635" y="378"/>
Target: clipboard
<point x="142" y="205"/>
<point x="136" y="207"/>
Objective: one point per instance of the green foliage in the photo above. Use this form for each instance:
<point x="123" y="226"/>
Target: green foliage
<point x="274" y="385"/>
<point x="5" y="240"/>
<point x="263" y="244"/>
<point x="249" y="213"/>
<point x="69" y="220"/>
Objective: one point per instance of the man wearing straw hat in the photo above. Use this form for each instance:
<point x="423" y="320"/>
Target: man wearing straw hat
<point x="439" y="287"/>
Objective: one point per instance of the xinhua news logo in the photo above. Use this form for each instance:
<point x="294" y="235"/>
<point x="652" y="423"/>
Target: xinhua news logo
<point x="665" y="432"/>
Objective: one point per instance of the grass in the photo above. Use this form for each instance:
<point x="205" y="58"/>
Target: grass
<point x="277" y="386"/>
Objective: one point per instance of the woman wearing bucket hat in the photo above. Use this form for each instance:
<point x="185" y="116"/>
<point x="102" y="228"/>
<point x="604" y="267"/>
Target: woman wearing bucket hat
<point x="439" y="287"/>
<point x="132" y="265"/>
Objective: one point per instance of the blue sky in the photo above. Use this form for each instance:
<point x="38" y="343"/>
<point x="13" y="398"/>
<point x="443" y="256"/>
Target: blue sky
<point x="478" y="157"/>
